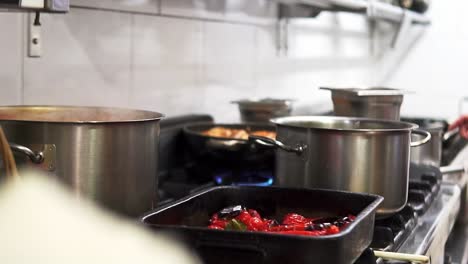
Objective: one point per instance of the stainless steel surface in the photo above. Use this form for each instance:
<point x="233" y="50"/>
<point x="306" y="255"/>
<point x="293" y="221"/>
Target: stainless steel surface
<point x="355" y="154"/>
<point x="298" y="149"/>
<point x="433" y="228"/>
<point x="35" y="157"/>
<point x="457" y="245"/>
<point x="106" y="154"/>
<point x="264" y="109"/>
<point x="41" y="156"/>
<point x="431" y="153"/>
<point x="451" y="133"/>
<point x="461" y="180"/>
<point x="378" y="103"/>
<point x="426" y="137"/>
<point x="447" y="170"/>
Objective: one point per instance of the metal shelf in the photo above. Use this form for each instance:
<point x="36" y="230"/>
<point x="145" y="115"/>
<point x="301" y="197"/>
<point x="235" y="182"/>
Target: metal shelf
<point x="372" y="9"/>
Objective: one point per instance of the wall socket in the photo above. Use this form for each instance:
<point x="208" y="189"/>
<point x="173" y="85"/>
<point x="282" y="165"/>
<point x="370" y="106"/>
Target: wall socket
<point x="34" y="37"/>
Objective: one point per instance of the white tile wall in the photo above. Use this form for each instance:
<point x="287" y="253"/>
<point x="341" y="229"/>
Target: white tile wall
<point x="86" y="60"/>
<point x="206" y="9"/>
<point x="245" y="11"/>
<point x="10" y="58"/>
<point x="198" y="55"/>
<point x="432" y="63"/>
<point x="167" y="65"/>
<point x="320" y="53"/>
<point x="254" y="11"/>
<point x="229" y="64"/>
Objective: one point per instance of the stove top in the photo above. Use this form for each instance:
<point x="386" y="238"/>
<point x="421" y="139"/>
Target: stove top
<point x="422" y="227"/>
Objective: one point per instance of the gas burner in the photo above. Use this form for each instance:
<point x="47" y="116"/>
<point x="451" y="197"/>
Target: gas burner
<point x="245" y="178"/>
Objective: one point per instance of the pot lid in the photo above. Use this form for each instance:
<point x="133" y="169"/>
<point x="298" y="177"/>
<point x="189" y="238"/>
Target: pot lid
<point x="373" y="91"/>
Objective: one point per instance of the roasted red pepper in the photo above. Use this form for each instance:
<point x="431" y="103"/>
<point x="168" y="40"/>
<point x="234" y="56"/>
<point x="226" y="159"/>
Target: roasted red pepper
<point x="239" y="218"/>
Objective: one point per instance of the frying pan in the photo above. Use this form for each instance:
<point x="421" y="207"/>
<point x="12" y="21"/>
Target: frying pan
<point x="227" y="149"/>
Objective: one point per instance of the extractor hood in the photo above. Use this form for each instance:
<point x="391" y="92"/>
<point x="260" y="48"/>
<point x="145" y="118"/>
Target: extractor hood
<point x="48" y="6"/>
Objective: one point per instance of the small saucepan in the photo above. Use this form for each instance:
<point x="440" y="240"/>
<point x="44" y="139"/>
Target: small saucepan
<point x="228" y="148"/>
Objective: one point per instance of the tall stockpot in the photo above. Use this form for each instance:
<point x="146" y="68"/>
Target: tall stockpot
<point x="341" y="153"/>
<point x="106" y="154"/>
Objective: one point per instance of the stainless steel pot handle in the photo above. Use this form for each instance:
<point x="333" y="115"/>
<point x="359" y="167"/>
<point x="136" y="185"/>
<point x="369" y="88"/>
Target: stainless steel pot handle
<point x="452" y="169"/>
<point x="269" y="142"/>
<point x="35" y="157"/>
<point x="449" y="134"/>
<point x="422" y="141"/>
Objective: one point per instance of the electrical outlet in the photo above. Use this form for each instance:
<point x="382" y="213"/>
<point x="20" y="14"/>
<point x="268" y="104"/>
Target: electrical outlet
<point x="34" y="40"/>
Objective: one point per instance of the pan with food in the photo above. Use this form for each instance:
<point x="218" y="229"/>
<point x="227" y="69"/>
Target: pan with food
<point x="229" y="141"/>
<point x="283" y="225"/>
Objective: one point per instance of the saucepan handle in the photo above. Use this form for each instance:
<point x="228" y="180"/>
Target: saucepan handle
<point x="35" y="157"/>
<point x="452" y="169"/>
<point x="269" y="142"/>
<point x="450" y="134"/>
<point x="422" y="141"/>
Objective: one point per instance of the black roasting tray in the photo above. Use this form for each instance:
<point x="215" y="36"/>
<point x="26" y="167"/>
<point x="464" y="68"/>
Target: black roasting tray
<point x="189" y="217"/>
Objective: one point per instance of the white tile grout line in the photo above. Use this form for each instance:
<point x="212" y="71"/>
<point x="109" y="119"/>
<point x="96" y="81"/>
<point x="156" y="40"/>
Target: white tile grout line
<point x="23" y="38"/>
<point x="159" y="7"/>
<point x="131" y="88"/>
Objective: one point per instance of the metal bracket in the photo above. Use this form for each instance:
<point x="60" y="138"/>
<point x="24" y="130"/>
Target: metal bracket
<point x="282" y="42"/>
<point x="403" y="28"/>
<point x="375" y="11"/>
<point x="286" y="13"/>
<point x="48" y="152"/>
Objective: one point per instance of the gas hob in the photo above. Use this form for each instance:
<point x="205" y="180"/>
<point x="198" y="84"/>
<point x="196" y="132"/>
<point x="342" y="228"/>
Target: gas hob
<point x="422" y="227"/>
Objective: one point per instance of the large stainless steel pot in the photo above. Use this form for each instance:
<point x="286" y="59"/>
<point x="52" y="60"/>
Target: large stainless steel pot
<point x="354" y="154"/>
<point x="107" y="154"/>
<point x="378" y="103"/>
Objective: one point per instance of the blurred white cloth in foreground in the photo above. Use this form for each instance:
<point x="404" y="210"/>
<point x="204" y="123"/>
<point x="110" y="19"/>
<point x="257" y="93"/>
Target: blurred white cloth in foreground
<point x="42" y="223"/>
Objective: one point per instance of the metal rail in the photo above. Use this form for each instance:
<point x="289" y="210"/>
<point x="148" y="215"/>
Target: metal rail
<point x="372" y="9"/>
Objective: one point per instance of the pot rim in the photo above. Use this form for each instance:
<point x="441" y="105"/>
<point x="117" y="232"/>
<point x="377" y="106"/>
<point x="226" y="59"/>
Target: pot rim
<point x="32" y="114"/>
<point x="264" y="102"/>
<point x="371" y="91"/>
<point x="291" y="120"/>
